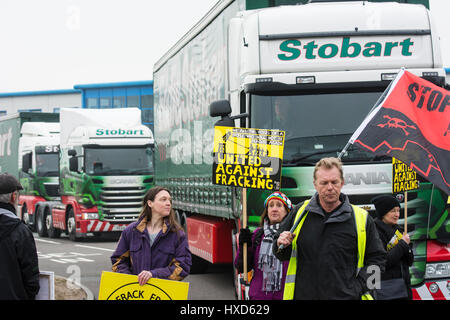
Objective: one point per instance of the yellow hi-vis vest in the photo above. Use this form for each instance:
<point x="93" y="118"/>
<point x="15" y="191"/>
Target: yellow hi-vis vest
<point x="360" y="219"/>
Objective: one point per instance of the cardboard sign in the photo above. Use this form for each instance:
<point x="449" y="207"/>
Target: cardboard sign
<point x="119" y="286"/>
<point x="403" y="177"/>
<point x="248" y="158"/>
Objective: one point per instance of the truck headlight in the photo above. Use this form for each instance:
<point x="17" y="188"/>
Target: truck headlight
<point x="437" y="270"/>
<point x="87" y="216"/>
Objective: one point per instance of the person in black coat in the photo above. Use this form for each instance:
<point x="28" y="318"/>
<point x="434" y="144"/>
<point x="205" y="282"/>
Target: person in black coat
<point x="19" y="270"/>
<point x="398" y="247"/>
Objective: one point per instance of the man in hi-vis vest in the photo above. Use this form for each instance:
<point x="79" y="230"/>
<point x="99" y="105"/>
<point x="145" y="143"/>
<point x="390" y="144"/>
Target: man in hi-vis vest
<point x="334" y="247"/>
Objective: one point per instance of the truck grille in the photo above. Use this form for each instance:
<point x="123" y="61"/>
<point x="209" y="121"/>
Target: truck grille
<point x="121" y="204"/>
<point x="52" y="190"/>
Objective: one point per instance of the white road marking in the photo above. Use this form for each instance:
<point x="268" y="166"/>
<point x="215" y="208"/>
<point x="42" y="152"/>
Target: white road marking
<point x="46" y="241"/>
<point x="96" y="248"/>
<point x="68" y="257"/>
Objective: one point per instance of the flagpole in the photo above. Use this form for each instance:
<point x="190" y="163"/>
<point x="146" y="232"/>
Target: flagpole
<point x="380" y="99"/>
<point x="344" y="150"/>
<point x="244" y="225"/>
<point x="366" y="119"/>
<point x="406" y="212"/>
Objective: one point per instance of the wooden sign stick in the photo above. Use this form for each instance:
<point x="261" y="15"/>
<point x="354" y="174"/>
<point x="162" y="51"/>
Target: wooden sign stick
<point x="244" y="225"/>
<point x="406" y="211"/>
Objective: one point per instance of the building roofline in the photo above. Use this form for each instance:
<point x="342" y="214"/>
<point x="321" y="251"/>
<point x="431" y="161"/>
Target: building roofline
<point x="114" y="84"/>
<point x="38" y="93"/>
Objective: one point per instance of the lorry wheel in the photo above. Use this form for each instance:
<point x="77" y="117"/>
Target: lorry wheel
<point x="71" y="226"/>
<point x="26" y="218"/>
<point x="52" y="231"/>
<point x="199" y="265"/>
<point x="181" y="218"/>
<point x="184" y="219"/>
<point x="40" y="222"/>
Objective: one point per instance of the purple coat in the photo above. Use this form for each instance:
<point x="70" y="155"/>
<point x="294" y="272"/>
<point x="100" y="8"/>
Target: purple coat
<point x="168" y="257"/>
<point x="256" y="292"/>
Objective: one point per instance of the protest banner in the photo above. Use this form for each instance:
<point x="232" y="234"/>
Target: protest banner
<point x="248" y="158"/>
<point x="411" y="122"/>
<point x="403" y="177"/>
<point x="120" y="286"/>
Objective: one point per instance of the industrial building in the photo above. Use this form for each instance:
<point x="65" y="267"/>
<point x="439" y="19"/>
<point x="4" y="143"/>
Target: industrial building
<point x="120" y="95"/>
<point x="39" y="101"/>
<point x="101" y="95"/>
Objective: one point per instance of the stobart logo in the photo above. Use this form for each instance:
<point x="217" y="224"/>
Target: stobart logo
<point x="293" y="49"/>
<point x="119" y="132"/>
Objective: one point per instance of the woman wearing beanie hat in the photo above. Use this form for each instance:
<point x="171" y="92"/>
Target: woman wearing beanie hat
<point x="396" y="280"/>
<point x="268" y="272"/>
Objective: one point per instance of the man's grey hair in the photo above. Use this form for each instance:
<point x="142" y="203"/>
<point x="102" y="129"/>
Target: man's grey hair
<point x="6" y="197"/>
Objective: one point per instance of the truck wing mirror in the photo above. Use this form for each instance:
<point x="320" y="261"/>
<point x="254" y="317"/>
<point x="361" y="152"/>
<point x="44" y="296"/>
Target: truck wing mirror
<point x="73" y="164"/>
<point x="72" y="152"/>
<point x="222" y="108"/>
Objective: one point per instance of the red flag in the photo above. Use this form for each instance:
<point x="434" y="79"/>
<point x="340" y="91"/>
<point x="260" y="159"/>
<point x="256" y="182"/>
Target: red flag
<point x="411" y="123"/>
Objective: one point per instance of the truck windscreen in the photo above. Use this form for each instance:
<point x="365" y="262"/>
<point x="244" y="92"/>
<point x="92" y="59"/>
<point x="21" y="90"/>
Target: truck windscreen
<point x="317" y="125"/>
<point x="109" y="161"/>
<point x="47" y="164"/>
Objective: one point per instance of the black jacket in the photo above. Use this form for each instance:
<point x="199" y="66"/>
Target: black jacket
<point x="327" y="252"/>
<point x="399" y="258"/>
<point x="19" y="270"/>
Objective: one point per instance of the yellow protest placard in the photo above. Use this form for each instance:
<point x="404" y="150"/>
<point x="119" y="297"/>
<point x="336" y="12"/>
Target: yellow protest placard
<point x="247" y="157"/>
<point x="119" y="286"/>
<point x="403" y="177"/>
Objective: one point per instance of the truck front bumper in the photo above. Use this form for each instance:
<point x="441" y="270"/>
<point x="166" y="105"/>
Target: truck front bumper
<point x="87" y="226"/>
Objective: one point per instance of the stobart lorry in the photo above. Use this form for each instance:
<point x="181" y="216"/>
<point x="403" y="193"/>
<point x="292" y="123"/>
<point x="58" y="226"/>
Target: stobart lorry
<point x="314" y="70"/>
<point x="29" y="150"/>
<point x="105" y="168"/>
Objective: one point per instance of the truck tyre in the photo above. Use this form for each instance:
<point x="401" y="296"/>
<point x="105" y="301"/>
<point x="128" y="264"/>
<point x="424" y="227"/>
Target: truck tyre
<point x="181" y="218"/>
<point x="52" y="231"/>
<point x="71" y="225"/>
<point x="178" y="217"/>
<point x="40" y="222"/>
<point x="26" y="218"/>
<point x="199" y="265"/>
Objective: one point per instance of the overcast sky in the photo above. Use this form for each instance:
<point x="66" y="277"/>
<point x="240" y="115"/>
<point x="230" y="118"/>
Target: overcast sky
<point x="55" y="44"/>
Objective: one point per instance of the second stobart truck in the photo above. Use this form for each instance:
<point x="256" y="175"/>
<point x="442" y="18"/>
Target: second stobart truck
<point x="315" y="71"/>
<point x="29" y="150"/>
<point x="106" y="166"/>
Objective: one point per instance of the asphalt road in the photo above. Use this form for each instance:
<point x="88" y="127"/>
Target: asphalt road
<point x="84" y="261"/>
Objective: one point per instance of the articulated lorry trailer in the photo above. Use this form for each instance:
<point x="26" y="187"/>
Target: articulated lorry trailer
<point x="105" y="168"/>
<point x="30" y="151"/>
<point x="315" y="71"/>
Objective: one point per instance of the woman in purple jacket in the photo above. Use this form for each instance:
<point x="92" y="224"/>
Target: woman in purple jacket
<point x="155" y="245"/>
<point x="269" y="273"/>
